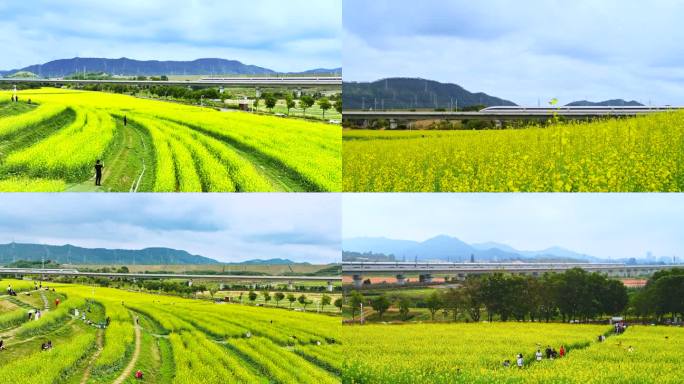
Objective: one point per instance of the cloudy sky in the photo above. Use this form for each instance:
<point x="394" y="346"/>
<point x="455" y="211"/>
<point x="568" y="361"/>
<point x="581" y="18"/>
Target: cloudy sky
<point x="524" y="51"/>
<point x="290" y="35"/>
<point x="602" y="225"/>
<point x="227" y="227"/>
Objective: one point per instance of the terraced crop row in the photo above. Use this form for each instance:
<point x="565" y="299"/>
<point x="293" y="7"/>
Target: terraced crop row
<point x="68" y="154"/>
<point x="195" y="149"/>
<point x="209" y="343"/>
<point x="11" y="124"/>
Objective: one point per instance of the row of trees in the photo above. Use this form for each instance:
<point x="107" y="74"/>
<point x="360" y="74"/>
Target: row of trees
<point x="572" y="295"/>
<point x="663" y="296"/>
<point x="305" y="102"/>
<point x="280" y="296"/>
<point x="183" y="93"/>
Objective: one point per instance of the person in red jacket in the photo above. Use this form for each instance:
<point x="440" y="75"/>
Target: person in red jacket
<point x="561" y="351"/>
<point x="138" y="374"/>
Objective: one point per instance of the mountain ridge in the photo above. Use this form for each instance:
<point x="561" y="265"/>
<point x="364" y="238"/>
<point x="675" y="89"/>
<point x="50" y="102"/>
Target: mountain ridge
<point x="131" y="67"/>
<point x="413" y="93"/>
<point x="71" y="254"/>
<point x="605" y="103"/>
<point x="449" y="248"/>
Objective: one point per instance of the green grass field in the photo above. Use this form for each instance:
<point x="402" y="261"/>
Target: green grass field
<point x="170" y="339"/>
<point x="165" y="147"/>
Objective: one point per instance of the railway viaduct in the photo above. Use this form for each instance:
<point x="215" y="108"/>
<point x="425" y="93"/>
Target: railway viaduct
<point x="290" y="280"/>
<point x="460" y="271"/>
<point x="297" y="83"/>
<point x="499" y="114"/>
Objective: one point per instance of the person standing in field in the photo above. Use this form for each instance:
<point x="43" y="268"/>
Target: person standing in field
<point x="538" y="355"/>
<point x="520" y="360"/>
<point x="98" y="172"/>
<point x="561" y="351"/>
<point x="125" y="121"/>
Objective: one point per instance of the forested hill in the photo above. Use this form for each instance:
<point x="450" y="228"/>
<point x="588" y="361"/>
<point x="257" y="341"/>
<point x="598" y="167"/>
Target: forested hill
<point x="411" y="93"/>
<point x="70" y="254"/>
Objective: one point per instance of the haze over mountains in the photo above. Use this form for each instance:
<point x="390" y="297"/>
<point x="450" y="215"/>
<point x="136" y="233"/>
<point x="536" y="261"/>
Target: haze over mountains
<point x="131" y="67"/>
<point x="447" y="248"/>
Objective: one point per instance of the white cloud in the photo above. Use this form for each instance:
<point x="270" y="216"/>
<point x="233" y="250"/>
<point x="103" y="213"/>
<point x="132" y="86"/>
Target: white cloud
<point x="603" y="225"/>
<point x="523" y="50"/>
<point x="301" y="227"/>
<point x="286" y="36"/>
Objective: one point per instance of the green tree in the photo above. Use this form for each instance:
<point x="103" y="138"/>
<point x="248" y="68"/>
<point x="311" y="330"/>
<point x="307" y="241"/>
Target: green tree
<point x="355" y="302"/>
<point x="380" y="305"/>
<point x="279" y="296"/>
<point x="267" y="296"/>
<point x="324" y="104"/>
<point x="252" y="296"/>
<point x="614" y="297"/>
<point x="434" y="303"/>
<point x="302" y="300"/>
<point x="306" y="101"/>
<point x="325" y="300"/>
<point x="404" y="307"/>
<point x="339" y="303"/>
<point x="291" y="298"/>
<point x="289" y="103"/>
<point x="338" y="105"/>
<point x="270" y="101"/>
<point x="453" y="301"/>
<point x="472" y="299"/>
<point x="256" y="104"/>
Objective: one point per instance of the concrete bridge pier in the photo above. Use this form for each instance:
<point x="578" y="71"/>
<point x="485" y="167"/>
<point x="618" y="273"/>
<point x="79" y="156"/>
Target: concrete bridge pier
<point x="393" y="124"/>
<point x="401" y="280"/>
<point x="221" y="89"/>
<point x="290" y="285"/>
<point x="258" y="92"/>
<point x="358" y="281"/>
<point x="330" y="286"/>
<point x="298" y="93"/>
<point x="222" y="286"/>
<point x="425" y="278"/>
